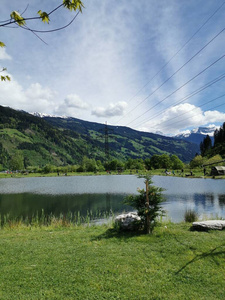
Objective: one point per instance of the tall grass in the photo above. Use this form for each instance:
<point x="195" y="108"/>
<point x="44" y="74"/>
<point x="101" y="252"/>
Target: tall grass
<point x="190" y="216"/>
<point x="62" y="220"/>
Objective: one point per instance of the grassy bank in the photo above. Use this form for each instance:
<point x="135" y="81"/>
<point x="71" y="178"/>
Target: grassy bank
<point x="99" y="263"/>
<point x="186" y="174"/>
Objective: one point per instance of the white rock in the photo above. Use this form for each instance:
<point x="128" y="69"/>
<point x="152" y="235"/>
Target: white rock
<point x="127" y="221"/>
<point x="211" y="224"/>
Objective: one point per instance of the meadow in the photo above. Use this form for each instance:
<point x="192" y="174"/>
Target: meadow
<point x="196" y="173"/>
<point x="66" y="261"/>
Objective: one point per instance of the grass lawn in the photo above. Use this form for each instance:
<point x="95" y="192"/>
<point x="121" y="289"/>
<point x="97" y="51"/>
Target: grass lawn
<point x="196" y="174"/>
<point x="99" y="263"/>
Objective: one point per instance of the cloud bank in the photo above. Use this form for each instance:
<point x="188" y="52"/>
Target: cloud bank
<point x="114" y="56"/>
<point x="113" y="110"/>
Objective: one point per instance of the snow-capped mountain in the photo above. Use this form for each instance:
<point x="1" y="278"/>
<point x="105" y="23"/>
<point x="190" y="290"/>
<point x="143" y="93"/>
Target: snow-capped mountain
<point x="198" y="134"/>
<point x="42" y="115"/>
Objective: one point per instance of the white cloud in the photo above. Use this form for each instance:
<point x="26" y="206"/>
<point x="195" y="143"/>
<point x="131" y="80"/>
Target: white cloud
<point x="4" y="55"/>
<point x="114" y="109"/>
<point x="34" y="98"/>
<point x="182" y="116"/>
<point x="214" y="116"/>
<point x="75" y="102"/>
<point x="71" y="106"/>
<point x="113" y="52"/>
<point x="36" y="91"/>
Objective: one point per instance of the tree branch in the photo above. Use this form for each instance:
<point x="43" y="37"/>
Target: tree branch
<point x="51" y="30"/>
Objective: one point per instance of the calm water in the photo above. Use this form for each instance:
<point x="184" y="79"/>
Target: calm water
<point x="26" y="196"/>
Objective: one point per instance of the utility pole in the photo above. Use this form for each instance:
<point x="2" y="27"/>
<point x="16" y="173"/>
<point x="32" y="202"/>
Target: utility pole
<point x="106" y="142"/>
<point x="106" y="133"/>
<point x="148" y="229"/>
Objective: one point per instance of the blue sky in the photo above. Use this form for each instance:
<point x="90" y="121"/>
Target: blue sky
<point x="117" y="63"/>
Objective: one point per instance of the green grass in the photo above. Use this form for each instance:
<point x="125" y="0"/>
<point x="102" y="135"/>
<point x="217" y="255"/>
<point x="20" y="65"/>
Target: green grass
<point x="196" y="174"/>
<point x="100" y="263"/>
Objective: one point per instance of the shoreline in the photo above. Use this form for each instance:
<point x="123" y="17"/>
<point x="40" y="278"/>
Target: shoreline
<point x="151" y="173"/>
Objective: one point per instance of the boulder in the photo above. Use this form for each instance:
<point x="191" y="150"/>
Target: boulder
<point x="127" y="221"/>
<point x="207" y="225"/>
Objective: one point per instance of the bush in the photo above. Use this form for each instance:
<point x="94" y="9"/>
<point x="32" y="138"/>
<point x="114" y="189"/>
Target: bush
<point x="148" y="207"/>
<point x="190" y="216"/>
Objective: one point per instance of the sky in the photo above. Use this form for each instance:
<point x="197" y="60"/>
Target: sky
<point x="155" y="66"/>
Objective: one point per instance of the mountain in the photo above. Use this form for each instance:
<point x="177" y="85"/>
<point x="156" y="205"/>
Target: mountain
<point x="198" y="134"/>
<point x="125" y="142"/>
<point x="57" y="140"/>
<point x="37" y="141"/>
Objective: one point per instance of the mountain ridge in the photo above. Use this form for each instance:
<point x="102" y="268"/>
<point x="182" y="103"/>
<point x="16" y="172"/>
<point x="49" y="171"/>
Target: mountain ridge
<point x="60" y="141"/>
<point x="197" y="135"/>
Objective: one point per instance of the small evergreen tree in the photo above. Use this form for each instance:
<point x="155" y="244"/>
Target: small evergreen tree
<point x="206" y="145"/>
<point x="147" y="204"/>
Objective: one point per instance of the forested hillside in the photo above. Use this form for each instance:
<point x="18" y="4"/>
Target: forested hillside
<point x="27" y="140"/>
<point x="218" y="147"/>
<point x="23" y="136"/>
<point x="125" y="142"/>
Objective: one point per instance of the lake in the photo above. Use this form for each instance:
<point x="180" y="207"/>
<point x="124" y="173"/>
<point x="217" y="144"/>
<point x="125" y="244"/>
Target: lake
<point x="27" y="196"/>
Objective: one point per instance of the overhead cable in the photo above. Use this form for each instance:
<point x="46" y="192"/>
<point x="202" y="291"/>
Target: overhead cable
<point x="216" y="61"/>
<point x="210" y="83"/>
<point x="170" y="61"/>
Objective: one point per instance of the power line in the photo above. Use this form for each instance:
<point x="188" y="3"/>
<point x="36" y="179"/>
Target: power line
<point x="176" y="73"/>
<point x="212" y="100"/>
<point x="184" y="45"/>
<point x="195" y="115"/>
<point x="210" y="83"/>
<point x="178" y="88"/>
<point x="106" y="132"/>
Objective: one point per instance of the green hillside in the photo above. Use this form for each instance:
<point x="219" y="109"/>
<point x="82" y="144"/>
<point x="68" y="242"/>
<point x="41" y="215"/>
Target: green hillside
<point x="37" y="142"/>
<point x="61" y="141"/>
<point x="125" y="142"/>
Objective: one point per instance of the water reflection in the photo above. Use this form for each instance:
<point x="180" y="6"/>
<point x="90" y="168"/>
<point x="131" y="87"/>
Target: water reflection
<point x="27" y="196"/>
<point x="29" y="204"/>
<point x="206" y="205"/>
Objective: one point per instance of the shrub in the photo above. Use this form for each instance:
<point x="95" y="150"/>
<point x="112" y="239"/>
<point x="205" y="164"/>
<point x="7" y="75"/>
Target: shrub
<point x="147" y="204"/>
<point x="190" y="216"/>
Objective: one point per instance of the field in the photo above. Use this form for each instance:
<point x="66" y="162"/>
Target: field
<point x="197" y="173"/>
<point x="98" y="262"/>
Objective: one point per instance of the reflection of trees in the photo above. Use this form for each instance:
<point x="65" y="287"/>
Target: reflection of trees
<point x="221" y="200"/>
<point x="210" y="198"/>
<point x="203" y="199"/>
<point x="199" y="199"/>
<point x="23" y="205"/>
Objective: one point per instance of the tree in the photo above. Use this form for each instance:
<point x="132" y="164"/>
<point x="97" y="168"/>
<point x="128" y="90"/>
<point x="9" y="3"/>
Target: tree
<point x="17" y="161"/>
<point x="137" y="164"/>
<point x="88" y="165"/>
<point x="214" y="159"/>
<point x="197" y="161"/>
<point x="165" y="161"/>
<point x="155" y="161"/>
<point x="147" y="204"/>
<point x="48" y="168"/>
<point x="17" y="19"/>
<point x="148" y="164"/>
<point x="205" y="145"/>
<point x="160" y="161"/>
<point x="176" y="162"/>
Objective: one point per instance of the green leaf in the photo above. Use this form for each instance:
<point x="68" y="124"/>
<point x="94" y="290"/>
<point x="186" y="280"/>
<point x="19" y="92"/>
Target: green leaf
<point x="8" y="78"/>
<point x="18" y="18"/>
<point x="44" y="16"/>
<point x="73" y="5"/>
<point x="2" y="44"/>
<point x="3" y="78"/>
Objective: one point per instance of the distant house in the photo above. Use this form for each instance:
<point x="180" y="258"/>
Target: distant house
<point x="217" y="171"/>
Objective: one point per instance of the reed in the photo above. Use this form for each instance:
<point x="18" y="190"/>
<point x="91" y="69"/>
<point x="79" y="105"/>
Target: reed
<point x="62" y="220"/>
<point x="190" y="216"/>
